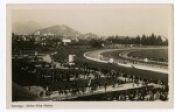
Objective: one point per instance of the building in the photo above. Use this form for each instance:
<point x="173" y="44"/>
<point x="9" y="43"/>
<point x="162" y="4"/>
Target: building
<point x="66" y="41"/>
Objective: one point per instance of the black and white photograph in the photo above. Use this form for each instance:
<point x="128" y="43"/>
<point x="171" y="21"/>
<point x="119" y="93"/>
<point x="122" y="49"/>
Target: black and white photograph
<point x="90" y="53"/>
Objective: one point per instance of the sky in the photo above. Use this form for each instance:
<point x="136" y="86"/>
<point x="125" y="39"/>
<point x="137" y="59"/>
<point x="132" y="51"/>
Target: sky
<point x="103" y="20"/>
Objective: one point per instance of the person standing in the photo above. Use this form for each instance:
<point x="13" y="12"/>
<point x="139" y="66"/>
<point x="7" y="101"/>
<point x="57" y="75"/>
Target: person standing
<point x="105" y="86"/>
<point x="89" y="83"/>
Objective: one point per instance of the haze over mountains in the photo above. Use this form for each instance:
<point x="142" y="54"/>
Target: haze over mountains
<point x="59" y="30"/>
<point x="25" y="27"/>
<point x="32" y="27"/>
<point x="63" y="30"/>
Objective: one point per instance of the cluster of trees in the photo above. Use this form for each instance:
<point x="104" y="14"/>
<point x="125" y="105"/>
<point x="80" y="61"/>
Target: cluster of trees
<point x="139" y="40"/>
<point x="142" y="40"/>
<point x="91" y="42"/>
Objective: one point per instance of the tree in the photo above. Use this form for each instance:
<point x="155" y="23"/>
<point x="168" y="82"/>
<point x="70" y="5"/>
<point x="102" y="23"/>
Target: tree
<point x="159" y="40"/>
<point x="143" y="39"/>
<point x="165" y="42"/>
<point x="95" y="43"/>
<point x="137" y="40"/>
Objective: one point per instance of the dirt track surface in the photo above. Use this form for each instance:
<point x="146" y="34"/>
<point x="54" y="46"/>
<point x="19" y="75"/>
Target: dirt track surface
<point x="98" y="56"/>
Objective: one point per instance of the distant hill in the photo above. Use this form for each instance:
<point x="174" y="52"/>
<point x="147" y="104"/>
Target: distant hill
<point x="31" y="27"/>
<point x="66" y="32"/>
<point x="59" y="30"/>
<point x="88" y="36"/>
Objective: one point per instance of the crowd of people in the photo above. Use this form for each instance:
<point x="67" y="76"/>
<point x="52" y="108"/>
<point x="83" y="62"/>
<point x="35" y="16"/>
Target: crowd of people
<point x="80" y="81"/>
<point x="142" y="94"/>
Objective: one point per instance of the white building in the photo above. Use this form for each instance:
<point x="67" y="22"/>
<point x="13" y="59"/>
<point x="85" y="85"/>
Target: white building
<point x="71" y="59"/>
<point x="66" y="41"/>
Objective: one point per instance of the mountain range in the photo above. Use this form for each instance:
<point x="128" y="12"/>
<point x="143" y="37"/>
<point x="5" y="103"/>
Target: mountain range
<point x="31" y="27"/>
<point x="63" y="30"/>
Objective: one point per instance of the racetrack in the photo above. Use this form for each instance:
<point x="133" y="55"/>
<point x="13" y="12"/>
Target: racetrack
<point x="149" y="56"/>
<point x="104" y="56"/>
<point x="160" y="55"/>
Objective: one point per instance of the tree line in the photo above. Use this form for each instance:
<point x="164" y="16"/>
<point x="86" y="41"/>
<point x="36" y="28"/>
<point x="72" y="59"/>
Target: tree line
<point x="153" y="40"/>
<point x="142" y="40"/>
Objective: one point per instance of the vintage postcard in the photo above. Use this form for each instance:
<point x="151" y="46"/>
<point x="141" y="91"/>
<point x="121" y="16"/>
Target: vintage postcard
<point x="65" y="56"/>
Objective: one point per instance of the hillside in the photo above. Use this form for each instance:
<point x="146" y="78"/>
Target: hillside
<point x="58" y="30"/>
